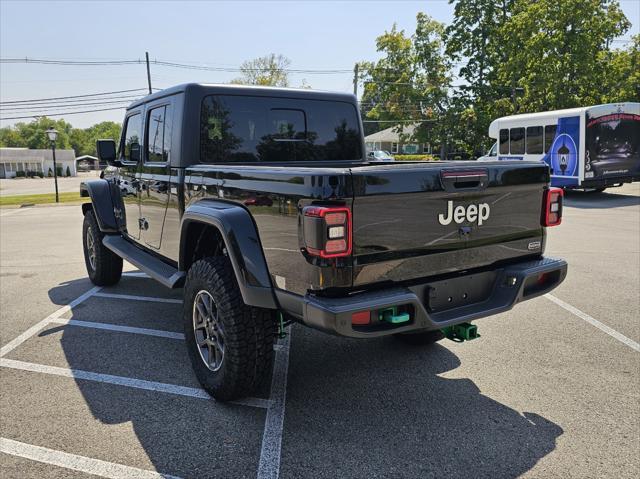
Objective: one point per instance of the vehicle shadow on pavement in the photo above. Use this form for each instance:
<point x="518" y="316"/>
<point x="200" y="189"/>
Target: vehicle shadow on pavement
<point x="377" y="408"/>
<point x="593" y="200"/>
<point x="179" y="435"/>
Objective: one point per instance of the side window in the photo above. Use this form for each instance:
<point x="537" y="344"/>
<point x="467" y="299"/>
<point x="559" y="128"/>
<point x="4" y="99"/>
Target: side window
<point x="159" y="134"/>
<point x="516" y="141"/>
<point x="492" y="151"/>
<point x="130" y="150"/>
<point x="534" y="140"/>
<point x="504" y="142"/>
<point x="549" y="135"/>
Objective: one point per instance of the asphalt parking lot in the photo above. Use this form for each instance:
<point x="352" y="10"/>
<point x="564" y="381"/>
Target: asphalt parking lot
<point x="97" y="381"/>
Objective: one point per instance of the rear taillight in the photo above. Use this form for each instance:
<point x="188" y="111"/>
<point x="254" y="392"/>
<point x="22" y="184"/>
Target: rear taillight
<point x="327" y="231"/>
<point x="552" y="207"/>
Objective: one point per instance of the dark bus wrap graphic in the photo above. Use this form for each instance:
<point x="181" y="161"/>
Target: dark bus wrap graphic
<point x="612" y="144"/>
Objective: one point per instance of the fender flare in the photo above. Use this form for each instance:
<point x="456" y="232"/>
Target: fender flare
<point x="102" y="201"/>
<point x="243" y="246"/>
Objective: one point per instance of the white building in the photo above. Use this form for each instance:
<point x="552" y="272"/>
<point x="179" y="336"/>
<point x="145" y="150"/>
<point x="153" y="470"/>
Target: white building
<point x="13" y="160"/>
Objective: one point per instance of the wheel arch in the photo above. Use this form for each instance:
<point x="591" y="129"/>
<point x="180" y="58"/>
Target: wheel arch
<point x="207" y="227"/>
<point x="102" y="203"/>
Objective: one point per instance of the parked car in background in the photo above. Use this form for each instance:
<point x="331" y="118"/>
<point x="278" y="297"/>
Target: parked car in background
<point x="380" y="155"/>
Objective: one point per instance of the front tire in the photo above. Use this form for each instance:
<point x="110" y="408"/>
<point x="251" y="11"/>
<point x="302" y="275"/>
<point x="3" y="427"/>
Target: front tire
<point x="103" y="265"/>
<point x="230" y="344"/>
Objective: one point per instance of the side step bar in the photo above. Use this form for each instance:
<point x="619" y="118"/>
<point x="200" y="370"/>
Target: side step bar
<point x="157" y="269"/>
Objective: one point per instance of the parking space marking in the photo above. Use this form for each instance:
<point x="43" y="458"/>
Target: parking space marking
<point x="124" y="381"/>
<point x="123" y="329"/>
<point x="594" y="322"/>
<point x="74" y="462"/>
<point x="138" y="298"/>
<point x="11" y="345"/>
<point x="12" y="212"/>
<point x="269" y="465"/>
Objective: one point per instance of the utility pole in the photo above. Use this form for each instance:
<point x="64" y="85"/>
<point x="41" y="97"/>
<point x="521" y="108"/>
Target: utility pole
<point x="148" y="72"/>
<point x="355" y="80"/>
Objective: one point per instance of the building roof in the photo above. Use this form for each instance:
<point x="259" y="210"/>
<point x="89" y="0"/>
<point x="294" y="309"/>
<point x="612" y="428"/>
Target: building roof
<point x="389" y="135"/>
<point x="26" y="154"/>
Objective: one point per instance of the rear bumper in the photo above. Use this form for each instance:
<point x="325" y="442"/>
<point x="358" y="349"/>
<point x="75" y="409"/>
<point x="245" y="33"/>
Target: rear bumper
<point x="504" y="287"/>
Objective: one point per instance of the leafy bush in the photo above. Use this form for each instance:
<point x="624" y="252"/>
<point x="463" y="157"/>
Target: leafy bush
<point x="20" y="174"/>
<point x="414" y="157"/>
<point x="40" y="174"/>
<point x="31" y="174"/>
<point x="59" y="170"/>
<point x="68" y="171"/>
<point x="50" y="173"/>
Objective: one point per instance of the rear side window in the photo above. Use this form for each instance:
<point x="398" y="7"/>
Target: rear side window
<point x="265" y="129"/>
<point x="534" y="140"/>
<point x="130" y="149"/>
<point x="504" y="142"/>
<point x="516" y="141"/>
<point x="549" y="135"/>
<point x="159" y="134"/>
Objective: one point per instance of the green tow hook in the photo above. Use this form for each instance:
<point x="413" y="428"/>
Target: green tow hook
<point x="282" y="333"/>
<point x="461" y="332"/>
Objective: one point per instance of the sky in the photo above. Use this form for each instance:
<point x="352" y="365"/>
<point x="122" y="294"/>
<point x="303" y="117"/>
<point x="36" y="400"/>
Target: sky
<point x="312" y="34"/>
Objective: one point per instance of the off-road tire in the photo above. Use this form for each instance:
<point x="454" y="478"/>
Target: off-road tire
<point x="106" y="269"/>
<point x="420" y="339"/>
<point x="249" y="332"/>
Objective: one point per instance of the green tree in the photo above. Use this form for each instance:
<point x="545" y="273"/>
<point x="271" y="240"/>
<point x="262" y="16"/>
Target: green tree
<point x="410" y="83"/>
<point x="269" y="70"/>
<point x="558" y="51"/>
<point x="32" y="135"/>
<point x="622" y="73"/>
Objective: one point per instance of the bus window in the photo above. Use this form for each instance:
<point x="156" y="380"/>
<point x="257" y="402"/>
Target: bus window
<point x="504" y="142"/>
<point x="549" y="135"/>
<point x="534" y="140"/>
<point x="516" y="141"/>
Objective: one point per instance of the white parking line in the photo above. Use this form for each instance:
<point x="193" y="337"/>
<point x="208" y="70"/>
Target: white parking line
<point x="594" y="322"/>
<point x="11" y="345"/>
<point x="11" y="212"/>
<point x="138" y="298"/>
<point x="123" y="329"/>
<point x="77" y="463"/>
<point x="124" y="381"/>
<point x="269" y="465"/>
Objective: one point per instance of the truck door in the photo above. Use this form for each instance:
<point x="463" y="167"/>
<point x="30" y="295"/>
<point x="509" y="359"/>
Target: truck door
<point x="156" y="171"/>
<point x="128" y="179"/>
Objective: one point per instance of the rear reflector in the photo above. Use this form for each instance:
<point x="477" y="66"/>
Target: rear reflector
<point x="361" y="317"/>
<point x="552" y="207"/>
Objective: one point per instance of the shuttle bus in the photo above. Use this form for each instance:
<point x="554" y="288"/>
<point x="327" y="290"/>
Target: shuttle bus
<point x="592" y="147"/>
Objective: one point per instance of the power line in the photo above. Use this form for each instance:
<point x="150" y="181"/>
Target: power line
<point x="62" y="106"/>
<point x="73" y="96"/>
<point x="59" y="114"/>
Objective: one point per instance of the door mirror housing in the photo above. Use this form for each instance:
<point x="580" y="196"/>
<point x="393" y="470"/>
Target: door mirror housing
<point x="106" y="150"/>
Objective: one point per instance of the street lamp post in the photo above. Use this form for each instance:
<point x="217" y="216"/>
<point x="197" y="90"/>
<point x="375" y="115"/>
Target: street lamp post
<point x="53" y="136"/>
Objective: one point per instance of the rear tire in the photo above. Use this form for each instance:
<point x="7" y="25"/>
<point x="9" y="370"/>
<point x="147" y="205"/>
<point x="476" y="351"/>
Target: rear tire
<point x="103" y="265"/>
<point x="420" y="339"/>
<point x="230" y="344"/>
<point x="599" y="190"/>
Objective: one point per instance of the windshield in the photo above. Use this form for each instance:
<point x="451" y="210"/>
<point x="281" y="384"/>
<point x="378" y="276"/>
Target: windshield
<point x="265" y="129"/>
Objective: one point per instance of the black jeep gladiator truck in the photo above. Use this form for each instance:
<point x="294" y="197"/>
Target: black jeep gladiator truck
<point x="260" y="203"/>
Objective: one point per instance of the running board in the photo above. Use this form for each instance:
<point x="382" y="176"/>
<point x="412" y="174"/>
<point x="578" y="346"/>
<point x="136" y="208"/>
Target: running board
<point x="155" y="268"/>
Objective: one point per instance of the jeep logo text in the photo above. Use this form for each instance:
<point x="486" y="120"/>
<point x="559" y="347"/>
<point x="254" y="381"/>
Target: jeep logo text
<point x="459" y="214"/>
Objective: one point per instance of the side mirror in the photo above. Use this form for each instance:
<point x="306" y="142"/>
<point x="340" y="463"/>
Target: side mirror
<point x="107" y="152"/>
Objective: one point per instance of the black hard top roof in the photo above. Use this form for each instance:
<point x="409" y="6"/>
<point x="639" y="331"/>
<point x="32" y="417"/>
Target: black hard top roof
<point x="202" y="89"/>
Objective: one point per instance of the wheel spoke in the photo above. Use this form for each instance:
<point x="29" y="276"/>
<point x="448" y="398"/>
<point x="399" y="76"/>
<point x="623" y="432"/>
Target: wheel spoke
<point x="209" y="335"/>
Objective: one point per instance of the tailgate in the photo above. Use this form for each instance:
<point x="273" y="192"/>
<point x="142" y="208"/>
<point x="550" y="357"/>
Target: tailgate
<point x="416" y="220"/>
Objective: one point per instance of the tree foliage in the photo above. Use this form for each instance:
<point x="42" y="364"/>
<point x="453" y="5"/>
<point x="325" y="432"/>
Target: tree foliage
<point x="269" y="70"/>
<point x="510" y="56"/>
<point x="82" y="141"/>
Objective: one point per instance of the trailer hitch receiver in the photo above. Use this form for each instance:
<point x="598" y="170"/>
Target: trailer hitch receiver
<point x="461" y="332"/>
